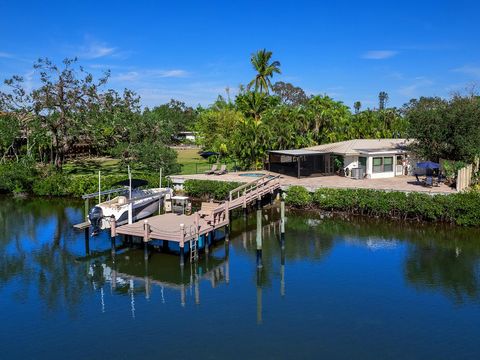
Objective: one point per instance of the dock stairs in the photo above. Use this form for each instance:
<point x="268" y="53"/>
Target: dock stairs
<point x="193" y="250"/>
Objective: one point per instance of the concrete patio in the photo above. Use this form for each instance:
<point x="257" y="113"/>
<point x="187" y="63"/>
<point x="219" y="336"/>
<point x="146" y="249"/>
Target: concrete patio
<point x="398" y="183"/>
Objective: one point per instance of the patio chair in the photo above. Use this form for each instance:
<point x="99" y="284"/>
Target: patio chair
<point x="223" y="170"/>
<point x="418" y="179"/>
<point x="212" y="170"/>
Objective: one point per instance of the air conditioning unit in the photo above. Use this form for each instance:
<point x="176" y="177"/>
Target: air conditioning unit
<point x="358" y="173"/>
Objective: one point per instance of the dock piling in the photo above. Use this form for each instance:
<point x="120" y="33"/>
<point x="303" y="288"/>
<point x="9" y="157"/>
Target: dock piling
<point x="113" y="233"/>
<point x="282" y="218"/>
<point x="182" y="245"/>
<point x="259" y="238"/>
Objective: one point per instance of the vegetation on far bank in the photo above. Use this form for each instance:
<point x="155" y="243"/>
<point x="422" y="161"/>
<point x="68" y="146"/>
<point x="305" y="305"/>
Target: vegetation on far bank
<point x="50" y="131"/>
<point x="459" y="208"/>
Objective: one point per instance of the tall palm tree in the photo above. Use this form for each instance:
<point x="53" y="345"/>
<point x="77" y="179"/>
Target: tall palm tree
<point x="357" y="105"/>
<point x="265" y="70"/>
<point x="382" y="100"/>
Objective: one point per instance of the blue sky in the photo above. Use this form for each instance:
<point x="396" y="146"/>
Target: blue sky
<point x="193" y="50"/>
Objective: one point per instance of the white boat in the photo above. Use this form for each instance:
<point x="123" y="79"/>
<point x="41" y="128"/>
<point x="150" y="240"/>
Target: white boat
<point x="142" y="202"/>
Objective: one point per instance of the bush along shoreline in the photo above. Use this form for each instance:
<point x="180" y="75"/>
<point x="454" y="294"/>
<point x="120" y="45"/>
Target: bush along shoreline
<point x="209" y="189"/>
<point x="25" y="178"/>
<point x="460" y="208"/>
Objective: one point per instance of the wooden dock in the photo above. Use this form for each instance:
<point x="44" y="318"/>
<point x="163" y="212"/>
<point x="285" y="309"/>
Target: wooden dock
<point x="212" y="216"/>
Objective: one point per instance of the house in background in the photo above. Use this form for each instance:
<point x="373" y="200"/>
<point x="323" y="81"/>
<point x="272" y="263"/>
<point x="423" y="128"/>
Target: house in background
<point x="185" y="135"/>
<point x="362" y="158"/>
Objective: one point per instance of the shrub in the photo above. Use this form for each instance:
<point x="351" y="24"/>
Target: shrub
<point x="461" y="209"/>
<point x="17" y="176"/>
<point x="209" y="188"/>
<point x="52" y="183"/>
<point x="298" y="196"/>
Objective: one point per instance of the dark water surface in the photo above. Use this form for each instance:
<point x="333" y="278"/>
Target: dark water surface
<point x="348" y="289"/>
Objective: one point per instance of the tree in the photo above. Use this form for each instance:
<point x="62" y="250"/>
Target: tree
<point x="253" y="104"/>
<point x="382" y="100"/>
<point x="167" y="120"/>
<point x="328" y="119"/>
<point x="64" y="98"/>
<point x="447" y="129"/>
<point x="357" y="105"/>
<point x="289" y="94"/>
<point x="265" y="70"/>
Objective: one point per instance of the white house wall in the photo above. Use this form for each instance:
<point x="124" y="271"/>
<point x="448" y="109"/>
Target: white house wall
<point x="350" y="162"/>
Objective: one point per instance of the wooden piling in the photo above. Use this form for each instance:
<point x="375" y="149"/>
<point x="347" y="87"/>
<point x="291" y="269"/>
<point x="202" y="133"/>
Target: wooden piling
<point x="282" y="218"/>
<point x="113" y="233"/>
<point x="87" y="208"/>
<point x="259" y="239"/>
<point x="182" y="245"/>
<point x="146" y="238"/>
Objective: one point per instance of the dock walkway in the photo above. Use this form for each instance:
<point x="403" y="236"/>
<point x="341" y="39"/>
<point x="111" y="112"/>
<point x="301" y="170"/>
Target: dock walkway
<point x="183" y="228"/>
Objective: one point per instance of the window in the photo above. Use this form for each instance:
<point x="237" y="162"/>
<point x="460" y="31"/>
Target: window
<point x="382" y="164"/>
<point x="362" y="162"/>
<point x="387" y="164"/>
<point x="377" y="164"/>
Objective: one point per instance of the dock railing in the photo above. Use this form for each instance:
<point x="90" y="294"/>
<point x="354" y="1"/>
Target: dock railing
<point x="255" y="189"/>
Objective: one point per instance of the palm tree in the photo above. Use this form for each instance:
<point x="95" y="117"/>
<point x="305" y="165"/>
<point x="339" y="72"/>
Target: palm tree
<point x="265" y="70"/>
<point x="357" y="106"/>
<point x="382" y="100"/>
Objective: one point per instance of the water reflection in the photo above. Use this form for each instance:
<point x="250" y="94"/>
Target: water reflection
<point x="39" y="250"/>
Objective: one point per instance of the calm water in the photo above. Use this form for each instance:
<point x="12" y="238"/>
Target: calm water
<point x="348" y="289"/>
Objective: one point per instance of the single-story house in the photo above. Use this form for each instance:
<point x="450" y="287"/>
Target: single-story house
<point x="360" y="158"/>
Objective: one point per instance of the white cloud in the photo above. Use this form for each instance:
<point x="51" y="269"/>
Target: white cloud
<point x="172" y="73"/>
<point x="379" y="54"/>
<point x="93" y="49"/>
<point x="469" y="70"/>
<point x="149" y="74"/>
<point x="6" y="55"/>
<point x="411" y="90"/>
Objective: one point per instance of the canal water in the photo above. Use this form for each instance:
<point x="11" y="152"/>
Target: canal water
<point x="342" y="289"/>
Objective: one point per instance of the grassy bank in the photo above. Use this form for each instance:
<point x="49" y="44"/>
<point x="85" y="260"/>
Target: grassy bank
<point x="460" y="209"/>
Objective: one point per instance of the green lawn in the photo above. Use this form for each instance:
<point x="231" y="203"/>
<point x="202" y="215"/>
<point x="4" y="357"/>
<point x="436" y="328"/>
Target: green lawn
<point x="191" y="161"/>
<point x="89" y="166"/>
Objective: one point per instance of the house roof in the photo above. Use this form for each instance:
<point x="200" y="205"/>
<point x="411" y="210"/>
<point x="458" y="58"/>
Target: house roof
<point x="297" y="152"/>
<point x="359" y="146"/>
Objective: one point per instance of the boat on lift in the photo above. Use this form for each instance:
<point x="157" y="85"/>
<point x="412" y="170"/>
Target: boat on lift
<point x="131" y="204"/>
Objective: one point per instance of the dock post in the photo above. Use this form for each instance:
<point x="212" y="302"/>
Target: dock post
<point x="182" y="245"/>
<point x="282" y="218"/>
<point x="86" y="209"/>
<point x="244" y="206"/>
<point x="207" y="246"/>
<point x="282" y="269"/>
<point x="113" y="233"/>
<point x="259" y="237"/>
<point x="165" y="246"/>
<point x="146" y="238"/>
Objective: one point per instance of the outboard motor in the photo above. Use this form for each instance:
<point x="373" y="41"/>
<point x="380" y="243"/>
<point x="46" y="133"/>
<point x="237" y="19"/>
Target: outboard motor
<point x="95" y="216"/>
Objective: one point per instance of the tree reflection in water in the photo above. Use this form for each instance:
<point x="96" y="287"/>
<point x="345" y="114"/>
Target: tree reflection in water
<point x="39" y="250"/>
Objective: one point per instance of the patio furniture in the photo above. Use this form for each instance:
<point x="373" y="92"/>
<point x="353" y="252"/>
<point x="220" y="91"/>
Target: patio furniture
<point x="212" y="170"/>
<point x="223" y="170"/>
<point x="428" y="165"/>
<point x="420" y="182"/>
<point x="429" y="181"/>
